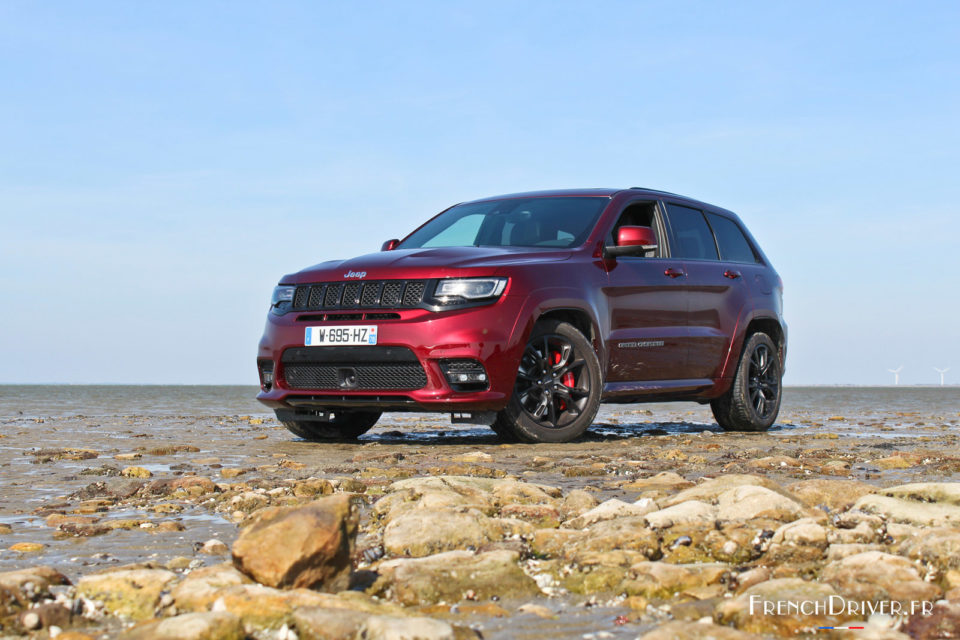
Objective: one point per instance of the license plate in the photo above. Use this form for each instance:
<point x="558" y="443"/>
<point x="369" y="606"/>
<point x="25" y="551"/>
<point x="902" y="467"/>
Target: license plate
<point x="352" y="335"/>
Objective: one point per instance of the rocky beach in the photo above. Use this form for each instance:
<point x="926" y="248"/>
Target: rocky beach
<point x="191" y="513"/>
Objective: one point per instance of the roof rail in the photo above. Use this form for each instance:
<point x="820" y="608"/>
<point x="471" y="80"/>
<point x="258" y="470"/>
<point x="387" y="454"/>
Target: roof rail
<point x="669" y="193"/>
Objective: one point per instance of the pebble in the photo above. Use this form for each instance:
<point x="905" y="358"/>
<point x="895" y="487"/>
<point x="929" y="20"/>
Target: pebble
<point x="30" y="621"/>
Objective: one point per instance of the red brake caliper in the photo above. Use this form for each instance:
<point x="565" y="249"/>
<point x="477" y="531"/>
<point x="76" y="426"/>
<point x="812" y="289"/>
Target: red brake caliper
<point x="566" y="379"/>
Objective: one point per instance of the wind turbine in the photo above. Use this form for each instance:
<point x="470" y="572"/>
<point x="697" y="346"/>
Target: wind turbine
<point x="941" y="372"/>
<point x="896" y="374"/>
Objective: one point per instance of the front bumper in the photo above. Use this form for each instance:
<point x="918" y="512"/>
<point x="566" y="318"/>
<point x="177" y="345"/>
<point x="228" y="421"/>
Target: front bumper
<point x="489" y="334"/>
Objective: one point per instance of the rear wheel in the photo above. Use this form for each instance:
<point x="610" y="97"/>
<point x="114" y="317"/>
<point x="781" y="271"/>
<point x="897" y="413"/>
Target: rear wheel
<point x="557" y="392"/>
<point x="348" y="425"/>
<point x="753" y="401"/>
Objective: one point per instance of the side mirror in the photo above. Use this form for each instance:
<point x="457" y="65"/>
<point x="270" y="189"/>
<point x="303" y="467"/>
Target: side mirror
<point x="390" y="245"/>
<point x="632" y="241"/>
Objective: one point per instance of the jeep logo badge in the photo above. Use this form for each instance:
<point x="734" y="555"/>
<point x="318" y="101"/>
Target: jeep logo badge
<point x="355" y="274"/>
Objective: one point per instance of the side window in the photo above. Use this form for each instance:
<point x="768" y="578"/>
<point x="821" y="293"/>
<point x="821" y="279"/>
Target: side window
<point x="461" y="233"/>
<point x="642" y="214"/>
<point x="692" y="234"/>
<point x="734" y="246"/>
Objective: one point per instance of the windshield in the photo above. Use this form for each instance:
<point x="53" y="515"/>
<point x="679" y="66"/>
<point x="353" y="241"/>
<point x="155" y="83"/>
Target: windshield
<point x="513" y="222"/>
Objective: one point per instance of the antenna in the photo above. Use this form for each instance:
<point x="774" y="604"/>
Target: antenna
<point x="896" y="374"/>
<point x="941" y="372"/>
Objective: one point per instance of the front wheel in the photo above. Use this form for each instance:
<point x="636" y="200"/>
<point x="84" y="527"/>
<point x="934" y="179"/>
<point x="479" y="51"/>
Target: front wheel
<point x="348" y="425"/>
<point x="753" y="401"/>
<point x="558" y="386"/>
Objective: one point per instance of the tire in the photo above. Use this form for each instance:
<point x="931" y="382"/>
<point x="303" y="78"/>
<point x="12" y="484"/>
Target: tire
<point x="348" y="425"/>
<point x="753" y="400"/>
<point x="558" y="387"/>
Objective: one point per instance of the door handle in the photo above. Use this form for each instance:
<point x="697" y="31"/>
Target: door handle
<point x="674" y="273"/>
<point x="733" y="275"/>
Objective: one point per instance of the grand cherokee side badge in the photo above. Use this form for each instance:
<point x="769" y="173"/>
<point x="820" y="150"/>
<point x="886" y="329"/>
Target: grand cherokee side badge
<point x="641" y="344"/>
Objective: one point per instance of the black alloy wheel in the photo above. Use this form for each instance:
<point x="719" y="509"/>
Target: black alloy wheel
<point x="753" y="400"/>
<point x="764" y="382"/>
<point x="551" y="386"/>
<point x="558" y="386"/>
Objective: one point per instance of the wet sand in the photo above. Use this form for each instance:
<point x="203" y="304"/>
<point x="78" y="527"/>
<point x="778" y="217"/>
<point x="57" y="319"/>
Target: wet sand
<point x="58" y="443"/>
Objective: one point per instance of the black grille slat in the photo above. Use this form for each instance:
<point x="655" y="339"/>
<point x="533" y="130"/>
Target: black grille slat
<point x="391" y="293"/>
<point x="316" y="296"/>
<point x="371" y="294"/>
<point x="332" y="297"/>
<point x="351" y="294"/>
<point x="406" y="376"/>
<point x="300" y="297"/>
<point x="413" y="293"/>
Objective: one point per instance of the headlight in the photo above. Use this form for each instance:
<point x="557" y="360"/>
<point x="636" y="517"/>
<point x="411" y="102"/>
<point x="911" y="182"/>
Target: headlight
<point x="463" y="290"/>
<point x="282" y="299"/>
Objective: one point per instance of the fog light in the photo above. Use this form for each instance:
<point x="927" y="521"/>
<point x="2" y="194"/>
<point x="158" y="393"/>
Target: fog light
<point x="266" y="373"/>
<point x="464" y="375"/>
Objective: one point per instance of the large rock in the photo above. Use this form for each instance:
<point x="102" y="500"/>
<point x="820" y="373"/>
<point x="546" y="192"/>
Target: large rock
<point x="314" y="623"/>
<point x="611" y="509"/>
<point x="805" y="532"/>
<point x="453" y="575"/>
<point x="41" y="577"/>
<point x="12" y="602"/>
<point x="423" y="532"/>
<point x="575" y="503"/>
<point x="293" y="547"/>
<point x="689" y="512"/>
<point x="412" y="499"/>
<point x="937" y="547"/>
<point x="198" y="591"/>
<point x="876" y="576"/>
<point x="505" y="490"/>
<point x="211" y="625"/>
<point x="132" y="593"/>
<point x="749" y="502"/>
<point x="658" y="486"/>
<point x="710" y="489"/>
<point x="678" y="630"/>
<point x="935" y="504"/>
<point x="630" y="534"/>
<point x="662" y="580"/>
<point x="943" y="621"/>
<point x="836" y="495"/>
<point x="588" y="572"/>
<point x="625" y="534"/>
<point x="263" y="607"/>
<point x="774" y="607"/>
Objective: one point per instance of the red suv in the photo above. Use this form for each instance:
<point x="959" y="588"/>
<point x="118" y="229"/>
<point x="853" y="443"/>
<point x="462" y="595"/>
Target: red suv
<point x="525" y="312"/>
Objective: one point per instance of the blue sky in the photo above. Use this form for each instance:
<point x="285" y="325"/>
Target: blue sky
<point x="164" y="164"/>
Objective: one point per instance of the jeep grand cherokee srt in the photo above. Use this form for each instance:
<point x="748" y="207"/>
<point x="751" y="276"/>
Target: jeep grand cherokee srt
<point x="525" y="312"/>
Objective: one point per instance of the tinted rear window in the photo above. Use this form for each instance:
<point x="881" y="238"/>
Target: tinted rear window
<point x="693" y="237"/>
<point x="734" y="246"/>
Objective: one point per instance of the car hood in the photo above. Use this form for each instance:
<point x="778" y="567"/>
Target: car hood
<point x="442" y="262"/>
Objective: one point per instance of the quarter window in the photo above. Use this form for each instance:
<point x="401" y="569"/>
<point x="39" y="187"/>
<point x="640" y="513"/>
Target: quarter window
<point x="692" y="234"/>
<point x="734" y="246"/>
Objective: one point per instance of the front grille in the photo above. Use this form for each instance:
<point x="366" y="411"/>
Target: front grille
<point x="381" y="294"/>
<point x="353" y="368"/>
